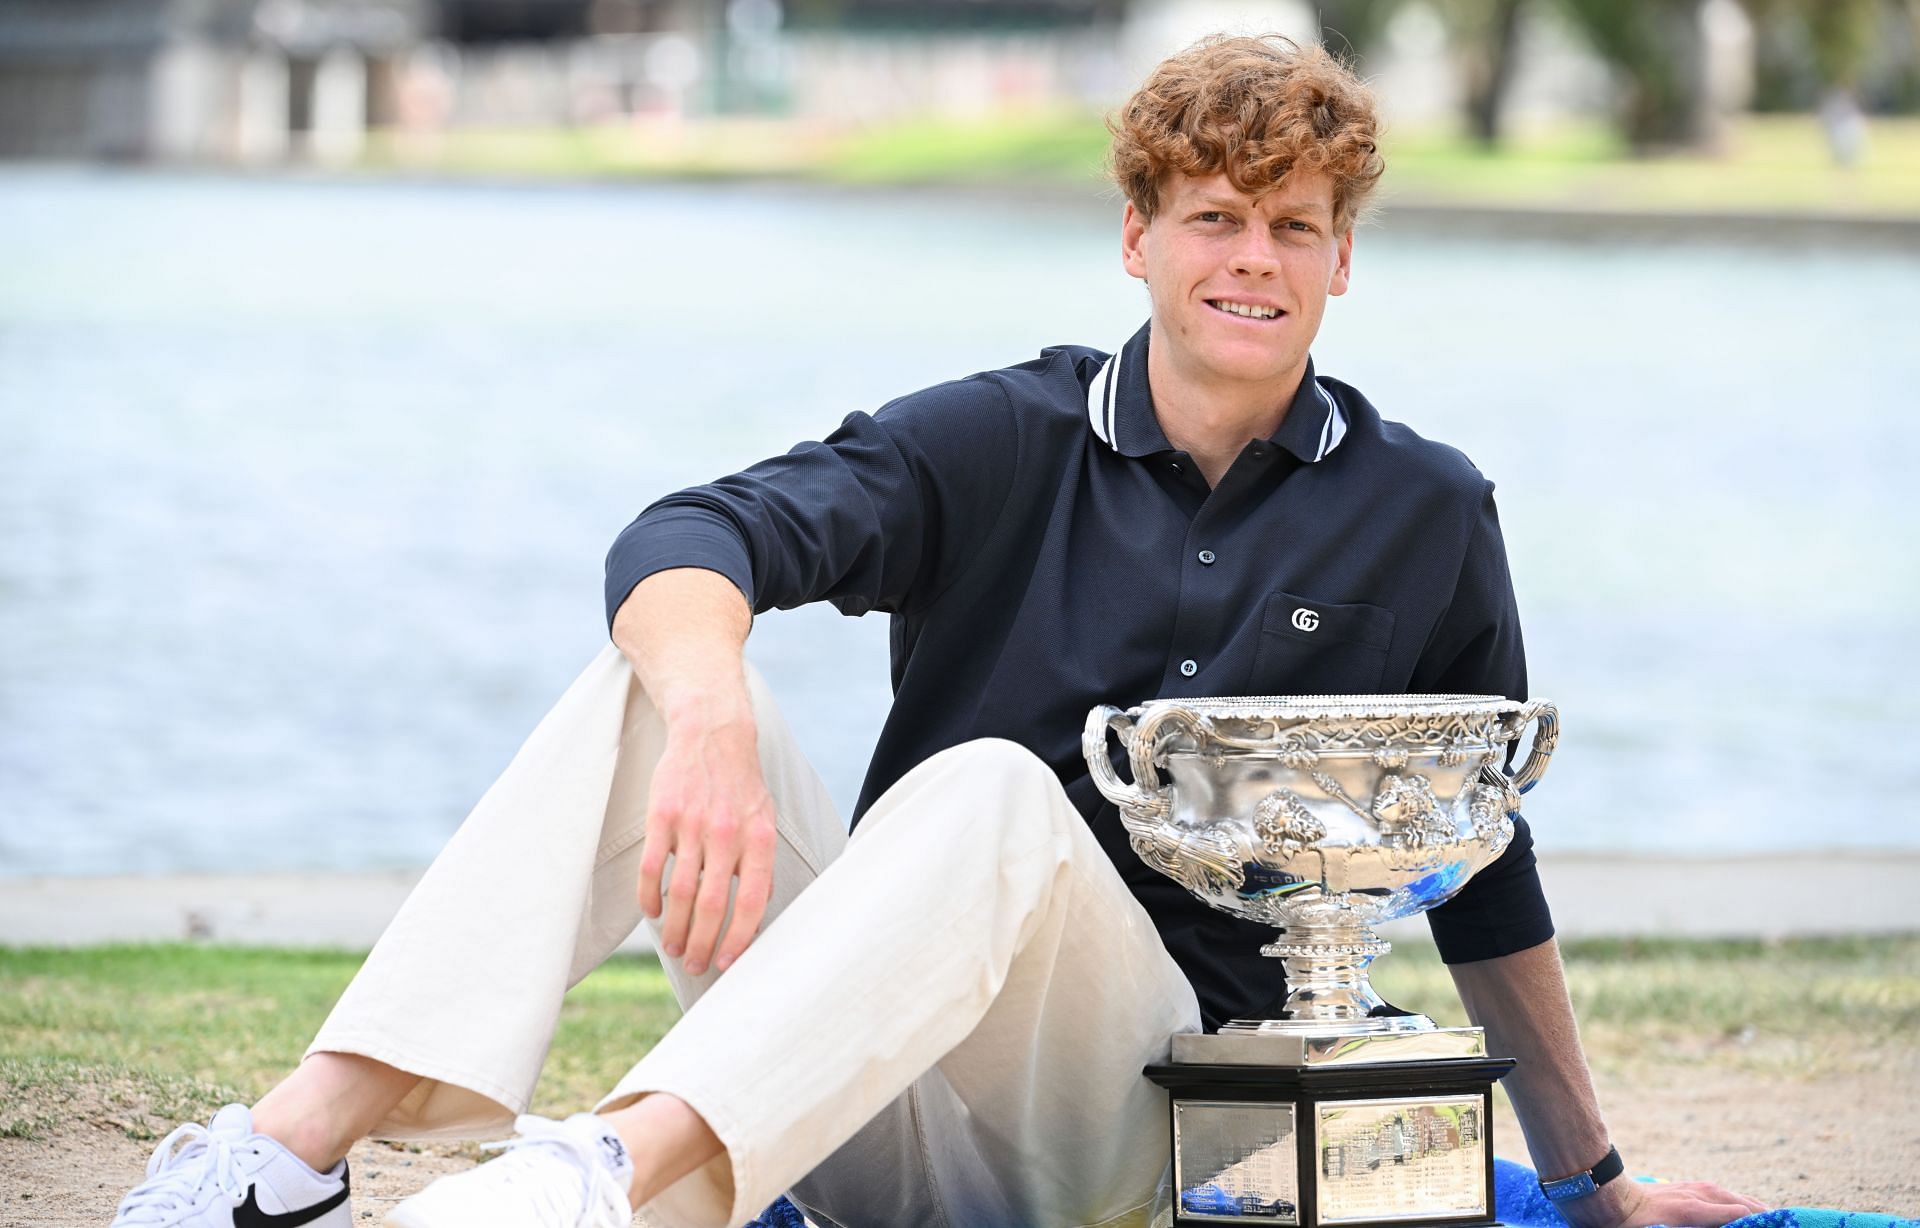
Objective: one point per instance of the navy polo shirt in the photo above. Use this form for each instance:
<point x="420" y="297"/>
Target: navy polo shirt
<point x="1041" y="549"/>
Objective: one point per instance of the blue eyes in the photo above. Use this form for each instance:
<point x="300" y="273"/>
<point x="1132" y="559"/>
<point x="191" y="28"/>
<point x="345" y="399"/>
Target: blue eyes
<point x="1211" y="216"/>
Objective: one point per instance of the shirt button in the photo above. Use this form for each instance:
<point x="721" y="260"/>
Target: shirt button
<point x="1189" y="667"/>
<point x="1207" y="557"/>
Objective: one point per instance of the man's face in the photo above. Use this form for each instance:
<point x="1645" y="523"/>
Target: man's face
<point x="1238" y="283"/>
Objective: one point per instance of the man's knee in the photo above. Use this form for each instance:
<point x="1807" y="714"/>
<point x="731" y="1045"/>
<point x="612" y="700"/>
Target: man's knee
<point x="995" y="763"/>
<point x="989" y="781"/>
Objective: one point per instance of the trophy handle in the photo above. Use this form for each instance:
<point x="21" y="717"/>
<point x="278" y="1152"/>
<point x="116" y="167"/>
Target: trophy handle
<point x="1545" y="717"/>
<point x="1146" y="795"/>
<point x="1145" y="745"/>
<point x="1093" y="745"/>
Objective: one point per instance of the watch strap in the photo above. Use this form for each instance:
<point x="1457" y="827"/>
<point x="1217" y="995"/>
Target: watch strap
<point x="1579" y="1185"/>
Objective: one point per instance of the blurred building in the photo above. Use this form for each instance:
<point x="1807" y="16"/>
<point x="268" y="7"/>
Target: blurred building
<point x="199" y="79"/>
<point x="274" y="80"/>
<point x="264" y="80"/>
<point x="554" y="61"/>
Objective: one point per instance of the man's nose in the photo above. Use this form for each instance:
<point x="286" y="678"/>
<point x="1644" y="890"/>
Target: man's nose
<point x="1256" y="256"/>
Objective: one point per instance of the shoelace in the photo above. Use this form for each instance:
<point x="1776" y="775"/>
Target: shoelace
<point x="175" y="1178"/>
<point x="600" y="1204"/>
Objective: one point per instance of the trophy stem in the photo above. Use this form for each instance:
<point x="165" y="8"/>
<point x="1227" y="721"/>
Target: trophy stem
<point x="1327" y="985"/>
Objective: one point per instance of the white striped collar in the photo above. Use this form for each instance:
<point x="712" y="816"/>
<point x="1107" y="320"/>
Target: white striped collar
<point x="1100" y="398"/>
<point x="1336" y="425"/>
<point x="1120" y="409"/>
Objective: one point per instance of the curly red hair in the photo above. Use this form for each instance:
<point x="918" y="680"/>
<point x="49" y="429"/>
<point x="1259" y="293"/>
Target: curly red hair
<point x="1255" y="108"/>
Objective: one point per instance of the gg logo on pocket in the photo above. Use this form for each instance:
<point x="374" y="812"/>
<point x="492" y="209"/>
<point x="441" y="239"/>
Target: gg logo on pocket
<point x="1305" y="619"/>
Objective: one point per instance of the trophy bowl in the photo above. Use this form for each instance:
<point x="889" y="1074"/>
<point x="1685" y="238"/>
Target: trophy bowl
<point x="1322" y="816"/>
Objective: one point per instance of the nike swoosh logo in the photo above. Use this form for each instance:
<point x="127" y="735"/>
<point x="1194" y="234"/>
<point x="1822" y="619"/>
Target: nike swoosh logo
<point x="249" y="1215"/>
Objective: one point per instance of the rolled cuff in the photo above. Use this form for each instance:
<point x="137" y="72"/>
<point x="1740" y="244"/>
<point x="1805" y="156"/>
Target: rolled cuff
<point x="718" y="1194"/>
<point x="675" y="536"/>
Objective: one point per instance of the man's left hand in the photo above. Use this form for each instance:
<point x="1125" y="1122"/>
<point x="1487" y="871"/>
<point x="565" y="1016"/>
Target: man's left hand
<point x="1677" y="1204"/>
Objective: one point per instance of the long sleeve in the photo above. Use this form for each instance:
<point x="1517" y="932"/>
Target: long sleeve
<point x="876" y="516"/>
<point x="1477" y="649"/>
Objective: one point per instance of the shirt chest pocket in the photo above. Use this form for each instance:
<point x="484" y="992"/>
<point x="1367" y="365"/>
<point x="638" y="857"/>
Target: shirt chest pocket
<point x="1310" y="647"/>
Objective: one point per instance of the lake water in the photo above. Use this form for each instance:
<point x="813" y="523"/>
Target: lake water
<point x="305" y="487"/>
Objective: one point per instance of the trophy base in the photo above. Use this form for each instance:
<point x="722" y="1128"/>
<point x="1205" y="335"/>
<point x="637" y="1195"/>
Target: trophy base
<point x="1342" y="1144"/>
<point x="1306" y="1043"/>
<point x="1369" y="1025"/>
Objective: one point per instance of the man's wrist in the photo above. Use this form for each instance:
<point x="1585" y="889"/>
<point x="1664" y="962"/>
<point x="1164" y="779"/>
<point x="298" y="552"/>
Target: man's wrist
<point x="704" y="707"/>
<point x="1611" y="1204"/>
<point x="1592" y="1195"/>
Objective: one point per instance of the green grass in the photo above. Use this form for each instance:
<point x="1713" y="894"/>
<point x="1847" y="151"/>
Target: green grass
<point x="1800" y="1006"/>
<point x="147" y="1036"/>
<point x="717" y="150"/>
<point x="142" y="1037"/>
<point x="1766" y="163"/>
<point x="1061" y="147"/>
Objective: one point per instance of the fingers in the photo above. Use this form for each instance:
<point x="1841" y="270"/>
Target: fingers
<point x="653" y="860"/>
<point x="710" y="905"/>
<point x="681" y="889"/>
<point x="706" y="823"/>
<point x="750" y="900"/>
<point x="1696" y="1204"/>
<point x="1723" y="1200"/>
<point x="1740" y="1202"/>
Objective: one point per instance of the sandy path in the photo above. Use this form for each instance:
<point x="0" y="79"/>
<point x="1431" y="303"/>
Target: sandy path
<point x="1777" y="895"/>
<point x="1849" y="1140"/>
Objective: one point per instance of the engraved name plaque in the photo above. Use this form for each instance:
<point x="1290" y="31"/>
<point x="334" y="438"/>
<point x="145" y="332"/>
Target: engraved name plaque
<point x="1401" y="1159"/>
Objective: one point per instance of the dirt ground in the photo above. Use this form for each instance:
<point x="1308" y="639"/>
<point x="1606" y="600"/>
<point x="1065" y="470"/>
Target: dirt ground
<point x="1848" y="1140"/>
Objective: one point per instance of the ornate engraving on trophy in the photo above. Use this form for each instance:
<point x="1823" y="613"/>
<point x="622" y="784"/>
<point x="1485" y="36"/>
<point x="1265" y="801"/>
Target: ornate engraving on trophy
<point x="1404" y="1158"/>
<point x="1284" y="824"/>
<point x="1408" y="814"/>
<point x="1234" y="1162"/>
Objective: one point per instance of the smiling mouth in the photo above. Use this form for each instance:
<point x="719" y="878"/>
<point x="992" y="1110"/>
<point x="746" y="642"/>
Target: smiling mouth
<point x="1245" y="311"/>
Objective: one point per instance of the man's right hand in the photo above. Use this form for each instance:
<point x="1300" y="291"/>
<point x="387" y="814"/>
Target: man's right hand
<point x="709" y="808"/>
<point x="683" y="630"/>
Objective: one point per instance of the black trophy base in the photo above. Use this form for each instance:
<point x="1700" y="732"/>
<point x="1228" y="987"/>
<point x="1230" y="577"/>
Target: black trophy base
<point x="1374" y="1145"/>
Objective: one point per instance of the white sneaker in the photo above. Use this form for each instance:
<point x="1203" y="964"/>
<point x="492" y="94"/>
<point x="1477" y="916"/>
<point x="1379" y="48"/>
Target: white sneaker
<point x="555" y="1174"/>
<point x="223" y="1175"/>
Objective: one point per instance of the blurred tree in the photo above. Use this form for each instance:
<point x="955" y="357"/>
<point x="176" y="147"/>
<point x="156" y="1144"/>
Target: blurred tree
<point x="1353" y="27"/>
<point x="1658" y="51"/>
<point x="1842" y="36"/>
<point x="1842" y="57"/>
<point x="1838" y="36"/>
<point x="1783" y="74"/>
<point x="1905" y="93"/>
<point x="1485" y="35"/>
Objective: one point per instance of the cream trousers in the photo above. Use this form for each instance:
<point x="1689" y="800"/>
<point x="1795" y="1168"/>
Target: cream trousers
<point x="942" y="1022"/>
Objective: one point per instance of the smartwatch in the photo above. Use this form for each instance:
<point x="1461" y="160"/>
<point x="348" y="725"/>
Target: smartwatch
<point x="1580" y="1185"/>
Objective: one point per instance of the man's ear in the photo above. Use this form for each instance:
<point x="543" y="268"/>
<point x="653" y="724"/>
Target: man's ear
<point x="1343" y="267"/>
<point x="1133" y="234"/>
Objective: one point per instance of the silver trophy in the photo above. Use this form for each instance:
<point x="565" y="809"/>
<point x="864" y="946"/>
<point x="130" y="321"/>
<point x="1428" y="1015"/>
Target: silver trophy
<point x="1324" y="816"/>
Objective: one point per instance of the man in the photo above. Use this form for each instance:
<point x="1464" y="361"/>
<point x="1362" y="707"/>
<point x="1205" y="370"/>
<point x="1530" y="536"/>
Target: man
<point x="947" y="1021"/>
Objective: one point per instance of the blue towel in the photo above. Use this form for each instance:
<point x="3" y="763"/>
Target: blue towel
<point x="780" y="1215"/>
<point x="1518" y="1201"/>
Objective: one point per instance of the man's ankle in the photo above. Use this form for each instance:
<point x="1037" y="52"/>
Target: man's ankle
<point x="666" y="1139"/>
<point x="306" y="1135"/>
